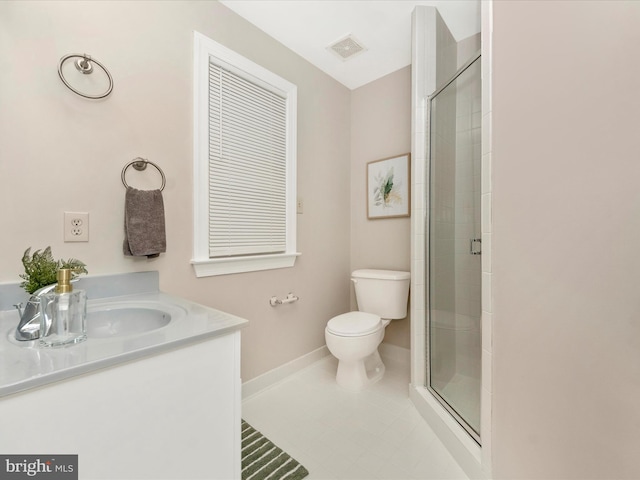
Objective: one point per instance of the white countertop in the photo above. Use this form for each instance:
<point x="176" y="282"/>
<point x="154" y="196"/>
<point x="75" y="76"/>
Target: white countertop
<point x="25" y="365"/>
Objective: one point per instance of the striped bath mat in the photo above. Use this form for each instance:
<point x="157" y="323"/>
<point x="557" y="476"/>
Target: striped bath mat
<point x="262" y="460"/>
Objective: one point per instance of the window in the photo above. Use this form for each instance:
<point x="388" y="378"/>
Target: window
<point x="244" y="164"/>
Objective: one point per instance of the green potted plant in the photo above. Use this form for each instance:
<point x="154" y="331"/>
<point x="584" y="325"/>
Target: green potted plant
<point x="40" y="269"/>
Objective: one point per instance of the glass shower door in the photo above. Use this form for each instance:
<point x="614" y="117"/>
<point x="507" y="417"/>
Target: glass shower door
<point x="454" y="247"/>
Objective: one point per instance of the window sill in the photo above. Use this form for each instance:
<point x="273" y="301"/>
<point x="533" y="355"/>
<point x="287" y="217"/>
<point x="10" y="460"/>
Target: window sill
<point x="224" y="266"/>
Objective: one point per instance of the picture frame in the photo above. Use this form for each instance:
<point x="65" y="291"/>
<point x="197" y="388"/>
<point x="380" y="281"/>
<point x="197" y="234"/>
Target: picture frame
<point x="389" y="187"/>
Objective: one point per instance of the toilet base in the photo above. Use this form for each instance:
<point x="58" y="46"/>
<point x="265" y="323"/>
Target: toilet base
<point x="354" y="375"/>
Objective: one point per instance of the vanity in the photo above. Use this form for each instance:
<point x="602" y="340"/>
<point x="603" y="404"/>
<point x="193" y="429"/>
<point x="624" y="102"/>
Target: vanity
<point x="153" y="393"/>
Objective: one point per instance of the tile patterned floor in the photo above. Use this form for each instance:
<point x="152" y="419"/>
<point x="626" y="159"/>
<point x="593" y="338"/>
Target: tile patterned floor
<point x="375" y="434"/>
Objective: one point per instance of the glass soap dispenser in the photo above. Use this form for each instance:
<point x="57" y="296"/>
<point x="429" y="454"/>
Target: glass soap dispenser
<point x="63" y="313"/>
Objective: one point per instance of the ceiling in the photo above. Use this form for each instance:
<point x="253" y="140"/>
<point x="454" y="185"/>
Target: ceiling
<point x="383" y="27"/>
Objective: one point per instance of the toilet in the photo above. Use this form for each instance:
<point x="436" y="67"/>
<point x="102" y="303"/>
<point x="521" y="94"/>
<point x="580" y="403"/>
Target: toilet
<point x="353" y="338"/>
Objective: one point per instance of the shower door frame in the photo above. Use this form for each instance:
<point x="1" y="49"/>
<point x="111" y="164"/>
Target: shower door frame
<point x="427" y="230"/>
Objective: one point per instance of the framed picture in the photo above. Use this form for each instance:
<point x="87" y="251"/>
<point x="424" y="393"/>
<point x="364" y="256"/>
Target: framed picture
<point x="389" y="187"/>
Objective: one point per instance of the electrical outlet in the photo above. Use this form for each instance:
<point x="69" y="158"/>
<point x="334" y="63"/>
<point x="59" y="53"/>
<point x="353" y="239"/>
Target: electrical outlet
<point x="299" y="206"/>
<point x="76" y="227"/>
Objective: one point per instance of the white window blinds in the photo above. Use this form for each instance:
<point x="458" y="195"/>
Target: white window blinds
<point x="247" y="166"/>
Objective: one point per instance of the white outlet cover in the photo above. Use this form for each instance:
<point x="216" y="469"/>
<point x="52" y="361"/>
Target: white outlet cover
<point x="76" y="226"/>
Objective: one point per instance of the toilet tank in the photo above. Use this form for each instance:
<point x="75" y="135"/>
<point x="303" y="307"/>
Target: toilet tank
<point x="382" y="292"/>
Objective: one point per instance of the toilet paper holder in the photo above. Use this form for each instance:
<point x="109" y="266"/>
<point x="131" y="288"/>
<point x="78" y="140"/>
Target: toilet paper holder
<point x="290" y="298"/>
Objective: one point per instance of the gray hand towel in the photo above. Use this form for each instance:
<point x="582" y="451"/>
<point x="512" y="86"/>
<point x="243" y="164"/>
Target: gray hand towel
<point x="144" y="232"/>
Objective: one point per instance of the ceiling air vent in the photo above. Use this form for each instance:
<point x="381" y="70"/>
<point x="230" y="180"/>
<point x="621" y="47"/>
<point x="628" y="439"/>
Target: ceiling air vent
<point x="347" y="47"/>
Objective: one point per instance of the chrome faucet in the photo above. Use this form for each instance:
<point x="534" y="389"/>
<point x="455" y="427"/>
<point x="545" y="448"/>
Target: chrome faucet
<point x="29" y="326"/>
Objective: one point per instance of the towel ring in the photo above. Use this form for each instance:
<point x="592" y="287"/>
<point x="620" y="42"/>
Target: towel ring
<point x="140" y="164"/>
<point x="84" y="64"/>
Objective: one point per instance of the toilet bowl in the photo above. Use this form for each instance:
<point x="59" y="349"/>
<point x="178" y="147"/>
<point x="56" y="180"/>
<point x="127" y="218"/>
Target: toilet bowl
<point x="353" y="337"/>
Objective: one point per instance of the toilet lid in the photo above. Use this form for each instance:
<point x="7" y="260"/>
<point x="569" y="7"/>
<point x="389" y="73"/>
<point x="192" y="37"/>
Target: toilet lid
<point x="354" y="324"/>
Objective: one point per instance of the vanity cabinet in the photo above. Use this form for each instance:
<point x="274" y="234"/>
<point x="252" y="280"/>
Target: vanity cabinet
<point x="173" y="415"/>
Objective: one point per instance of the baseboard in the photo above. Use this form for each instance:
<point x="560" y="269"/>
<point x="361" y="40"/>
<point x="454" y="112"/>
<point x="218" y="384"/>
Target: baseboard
<point x="270" y="378"/>
<point x="395" y="354"/>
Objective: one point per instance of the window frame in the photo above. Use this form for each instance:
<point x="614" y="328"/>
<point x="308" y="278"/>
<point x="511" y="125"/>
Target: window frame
<point x="203" y="264"/>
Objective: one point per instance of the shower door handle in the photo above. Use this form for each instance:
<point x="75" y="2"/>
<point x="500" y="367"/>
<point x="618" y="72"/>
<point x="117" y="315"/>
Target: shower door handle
<point x="475" y="246"/>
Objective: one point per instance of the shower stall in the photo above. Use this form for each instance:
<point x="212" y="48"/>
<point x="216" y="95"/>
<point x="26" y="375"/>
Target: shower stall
<point x="450" y="283"/>
<point x="453" y="247"/>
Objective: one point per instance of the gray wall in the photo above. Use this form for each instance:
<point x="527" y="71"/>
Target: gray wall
<point x="566" y="230"/>
<point x="60" y="152"/>
<point x="380" y="128"/>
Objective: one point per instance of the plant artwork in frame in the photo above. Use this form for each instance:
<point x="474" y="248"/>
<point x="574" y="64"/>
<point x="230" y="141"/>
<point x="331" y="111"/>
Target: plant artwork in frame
<point x="388" y="187"/>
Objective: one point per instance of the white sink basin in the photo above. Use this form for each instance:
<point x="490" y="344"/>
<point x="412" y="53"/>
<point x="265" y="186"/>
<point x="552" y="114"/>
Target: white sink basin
<point x="117" y="320"/>
<point x="124" y="319"/>
<point x="121" y="318"/>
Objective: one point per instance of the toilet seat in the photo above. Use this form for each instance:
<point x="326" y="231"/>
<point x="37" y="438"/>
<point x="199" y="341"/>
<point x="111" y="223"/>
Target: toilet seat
<point x="354" y="324"/>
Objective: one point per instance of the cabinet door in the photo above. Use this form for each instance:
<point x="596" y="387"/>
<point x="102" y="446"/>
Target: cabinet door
<point x="174" y="415"/>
